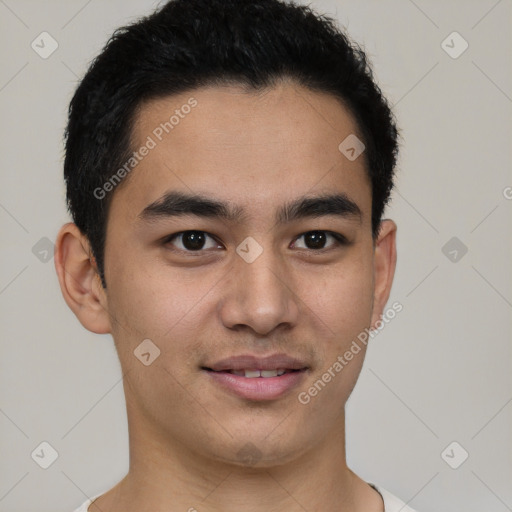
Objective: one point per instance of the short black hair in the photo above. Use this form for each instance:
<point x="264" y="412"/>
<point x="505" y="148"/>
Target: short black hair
<point x="187" y="44"/>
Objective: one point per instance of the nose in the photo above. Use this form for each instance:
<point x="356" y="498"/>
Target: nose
<point x="259" y="296"/>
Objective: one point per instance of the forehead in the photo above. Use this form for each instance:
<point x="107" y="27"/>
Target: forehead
<point x="259" y="147"/>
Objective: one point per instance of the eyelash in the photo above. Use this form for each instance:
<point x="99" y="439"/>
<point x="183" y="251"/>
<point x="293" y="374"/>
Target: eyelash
<point x="340" y="239"/>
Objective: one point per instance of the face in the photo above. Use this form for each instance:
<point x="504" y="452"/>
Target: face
<point x="271" y="266"/>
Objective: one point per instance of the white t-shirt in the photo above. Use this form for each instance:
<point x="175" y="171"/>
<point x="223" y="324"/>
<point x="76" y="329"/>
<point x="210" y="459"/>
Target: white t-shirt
<point x="391" y="502"/>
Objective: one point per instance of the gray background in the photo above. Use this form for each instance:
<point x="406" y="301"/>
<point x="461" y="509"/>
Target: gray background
<point x="439" y="372"/>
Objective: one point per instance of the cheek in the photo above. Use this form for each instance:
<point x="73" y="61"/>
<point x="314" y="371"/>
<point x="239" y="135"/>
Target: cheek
<point x="343" y="299"/>
<point x="343" y="303"/>
<point x="157" y="302"/>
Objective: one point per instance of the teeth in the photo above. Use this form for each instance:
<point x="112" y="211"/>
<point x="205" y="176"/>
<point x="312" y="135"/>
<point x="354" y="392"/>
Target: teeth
<point x="252" y="374"/>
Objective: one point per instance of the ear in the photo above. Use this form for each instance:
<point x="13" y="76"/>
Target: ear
<point x="79" y="279"/>
<point x="384" y="263"/>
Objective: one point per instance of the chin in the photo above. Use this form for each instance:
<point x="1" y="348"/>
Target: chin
<point x="256" y="452"/>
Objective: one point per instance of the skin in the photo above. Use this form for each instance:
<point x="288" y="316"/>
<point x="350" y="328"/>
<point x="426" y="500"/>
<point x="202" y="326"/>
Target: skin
<point x="257" y="151"/>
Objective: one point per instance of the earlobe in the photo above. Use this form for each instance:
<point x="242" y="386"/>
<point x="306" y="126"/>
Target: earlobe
<point x="383" y="267"/>
<point x="79" y="281"/>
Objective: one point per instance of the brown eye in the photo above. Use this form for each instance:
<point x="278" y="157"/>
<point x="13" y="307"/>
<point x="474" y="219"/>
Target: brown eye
<point x="316" y="240"/>
<point x="192" y="241"/>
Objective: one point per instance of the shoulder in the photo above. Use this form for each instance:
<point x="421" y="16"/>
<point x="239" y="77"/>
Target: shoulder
<point x="85" y="505"/>
<point x="391" y="502"/>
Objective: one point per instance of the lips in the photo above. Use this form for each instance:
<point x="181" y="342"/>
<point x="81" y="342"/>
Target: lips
<point x="250" y="363"/>
<point x="258" y="378"/>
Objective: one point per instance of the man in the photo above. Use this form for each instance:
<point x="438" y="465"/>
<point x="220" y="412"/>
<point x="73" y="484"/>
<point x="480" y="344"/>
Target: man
<point x="227" y="166"/>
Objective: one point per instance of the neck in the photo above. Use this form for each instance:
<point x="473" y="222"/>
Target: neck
<point x="169" y="476"/>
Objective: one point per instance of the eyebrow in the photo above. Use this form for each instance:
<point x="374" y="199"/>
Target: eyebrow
<point x="175" y="204"/>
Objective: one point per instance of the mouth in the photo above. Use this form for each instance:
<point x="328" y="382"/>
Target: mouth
<point x="256" y="378"/>
<point x="254" y="374"/>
